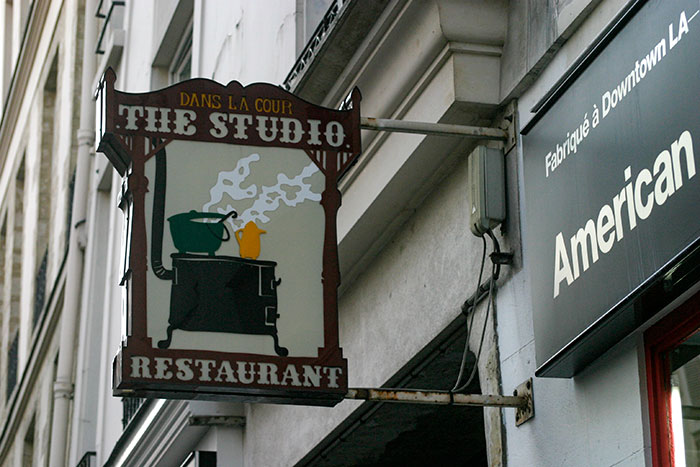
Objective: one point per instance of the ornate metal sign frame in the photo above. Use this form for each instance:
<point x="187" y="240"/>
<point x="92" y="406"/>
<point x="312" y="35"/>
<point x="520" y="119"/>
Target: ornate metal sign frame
<point x="137" y="127"/>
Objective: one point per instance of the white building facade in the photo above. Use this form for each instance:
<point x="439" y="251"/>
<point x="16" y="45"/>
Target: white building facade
<point x="409" y="262"/>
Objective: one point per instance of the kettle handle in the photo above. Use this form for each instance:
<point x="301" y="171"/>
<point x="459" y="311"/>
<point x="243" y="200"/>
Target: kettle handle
<point x="232" y="214"/>
<point x="225" y="238"/>
<point x="239" y="238"/>
<point x="227" y="235"/>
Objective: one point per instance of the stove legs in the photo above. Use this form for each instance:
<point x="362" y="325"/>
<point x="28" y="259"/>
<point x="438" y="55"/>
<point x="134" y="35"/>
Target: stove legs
<point x="165" y="343"/>
<point x="279" y="350"/>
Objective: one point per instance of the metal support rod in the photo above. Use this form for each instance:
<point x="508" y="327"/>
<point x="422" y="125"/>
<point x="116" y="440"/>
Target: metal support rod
<point x="440" y="129"/>
<point x="411" y="396"/>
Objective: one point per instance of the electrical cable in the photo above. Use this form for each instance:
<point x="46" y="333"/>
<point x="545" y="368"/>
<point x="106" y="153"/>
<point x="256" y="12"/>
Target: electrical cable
<point x="471" y="321"/>
<point x="495" y="271"/>
<point x="481" y="273"/>
<point x="496" y="251"/>
<point x="483" y="333"/>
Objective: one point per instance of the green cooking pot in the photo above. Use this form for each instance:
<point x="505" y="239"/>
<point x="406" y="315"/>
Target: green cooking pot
<point x="193" y="234"/>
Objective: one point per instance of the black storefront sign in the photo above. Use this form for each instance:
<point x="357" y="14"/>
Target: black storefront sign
<point x="612" y="191"/>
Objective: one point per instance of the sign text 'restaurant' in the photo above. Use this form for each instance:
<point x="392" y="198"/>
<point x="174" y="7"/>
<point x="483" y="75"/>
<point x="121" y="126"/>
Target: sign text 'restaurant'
<point x="198" y="371"/>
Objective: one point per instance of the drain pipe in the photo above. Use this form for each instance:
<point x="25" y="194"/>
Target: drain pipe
<point x="63" y="385"/>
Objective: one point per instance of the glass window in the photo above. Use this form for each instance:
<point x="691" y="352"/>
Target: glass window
<point x="685" y="401"/>
<point x="181" y="67"/>
<point x="673" y="381"/>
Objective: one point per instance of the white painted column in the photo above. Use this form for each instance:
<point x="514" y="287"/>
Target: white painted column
<point x="74" y="266"/>
<point x="16" y="37"/>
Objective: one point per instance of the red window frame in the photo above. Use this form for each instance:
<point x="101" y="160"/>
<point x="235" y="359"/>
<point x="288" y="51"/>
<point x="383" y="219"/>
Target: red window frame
<point x="659" y="341"/>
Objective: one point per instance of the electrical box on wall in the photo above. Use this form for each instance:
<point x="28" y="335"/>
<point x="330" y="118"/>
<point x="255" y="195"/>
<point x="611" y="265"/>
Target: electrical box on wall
<point x="487" y="194"/>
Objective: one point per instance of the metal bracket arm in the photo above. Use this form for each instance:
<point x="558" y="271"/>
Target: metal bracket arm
<point x="521" y="399"/>
<point x="440" y="129"/>
<point x="410" y="396"/>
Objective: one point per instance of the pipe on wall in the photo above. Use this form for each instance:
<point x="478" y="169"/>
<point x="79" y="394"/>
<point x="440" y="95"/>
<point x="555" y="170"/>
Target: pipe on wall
<point x="63" y="384"/>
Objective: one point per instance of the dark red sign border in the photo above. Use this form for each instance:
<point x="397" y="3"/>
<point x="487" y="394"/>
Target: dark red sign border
<point x="129" y="149"/>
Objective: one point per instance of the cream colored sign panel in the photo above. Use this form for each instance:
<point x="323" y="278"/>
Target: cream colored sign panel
<point x="268" y="200"/>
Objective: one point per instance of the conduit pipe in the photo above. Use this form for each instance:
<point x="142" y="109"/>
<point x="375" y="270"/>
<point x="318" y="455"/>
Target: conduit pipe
<point x="63" y="385"/>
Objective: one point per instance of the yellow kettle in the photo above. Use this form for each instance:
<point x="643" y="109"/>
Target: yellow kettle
<point x="248" y="239"/>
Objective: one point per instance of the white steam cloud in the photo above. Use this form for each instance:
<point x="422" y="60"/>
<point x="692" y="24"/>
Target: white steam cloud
<point x="287" y="191"/>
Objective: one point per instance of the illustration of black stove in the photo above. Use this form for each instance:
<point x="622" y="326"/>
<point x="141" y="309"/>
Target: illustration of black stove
<point x="211" y="293"/>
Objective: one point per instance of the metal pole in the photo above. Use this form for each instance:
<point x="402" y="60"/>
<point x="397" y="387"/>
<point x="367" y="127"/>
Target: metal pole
<point x="412" y="396"/>
<point x="440" y="129"/>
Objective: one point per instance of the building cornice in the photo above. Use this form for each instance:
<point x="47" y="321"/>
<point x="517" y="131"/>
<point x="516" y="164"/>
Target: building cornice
<point x="346" y="24"/>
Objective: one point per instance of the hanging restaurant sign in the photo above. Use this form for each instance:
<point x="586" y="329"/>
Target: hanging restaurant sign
<point x="231" y="269"/>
